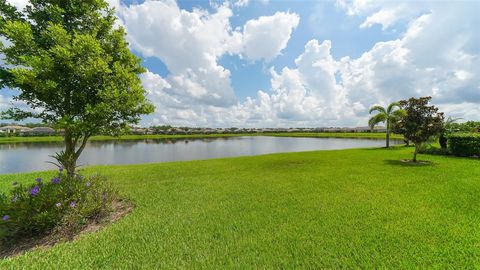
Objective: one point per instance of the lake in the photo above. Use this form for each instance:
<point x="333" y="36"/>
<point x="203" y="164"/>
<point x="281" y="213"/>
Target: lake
<point x="27" y="157"/>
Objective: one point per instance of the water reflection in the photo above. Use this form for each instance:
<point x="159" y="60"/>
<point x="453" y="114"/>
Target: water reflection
<point x="23" y="157"/>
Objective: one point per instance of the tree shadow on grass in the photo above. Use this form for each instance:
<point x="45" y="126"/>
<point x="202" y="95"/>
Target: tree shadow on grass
<point x="408" y="163"/>
<point x="391" y="148"/>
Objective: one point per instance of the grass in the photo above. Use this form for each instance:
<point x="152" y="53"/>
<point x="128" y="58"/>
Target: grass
<point x="360" y="208"/>
<point x="9" y="140"/>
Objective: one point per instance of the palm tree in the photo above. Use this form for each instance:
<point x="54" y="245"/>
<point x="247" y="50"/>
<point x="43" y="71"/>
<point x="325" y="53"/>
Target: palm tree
<point x="447" y="129"/>
<point x="388" y="116"/>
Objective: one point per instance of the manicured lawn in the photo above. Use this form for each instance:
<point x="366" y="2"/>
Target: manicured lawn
<point x="329" y="209"/>
<point x="4" y="140"/>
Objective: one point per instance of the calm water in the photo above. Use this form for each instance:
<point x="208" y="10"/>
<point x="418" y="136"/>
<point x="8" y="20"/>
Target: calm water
<point x="33" y="156"/>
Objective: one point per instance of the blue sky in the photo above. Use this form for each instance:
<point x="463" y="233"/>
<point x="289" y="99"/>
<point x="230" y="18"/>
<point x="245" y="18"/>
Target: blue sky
<point x="322" y="20"/>
<point x="290" y="63"/>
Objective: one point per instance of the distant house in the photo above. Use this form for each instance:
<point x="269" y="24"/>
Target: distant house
<point x="367" y="129"/>
<point x="42" y="131"/>
<point x="14" y="129"/>
<point x="139" y="131"/>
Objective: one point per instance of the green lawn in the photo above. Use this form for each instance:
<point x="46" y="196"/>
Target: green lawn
<point x="327" y="209"/>
<point x="4" y="140"/>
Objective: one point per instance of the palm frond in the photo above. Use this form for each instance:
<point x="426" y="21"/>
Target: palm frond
<point x="451" y="120"/>
<point x="378" y="118"/>
<point x="392" y="106"/>
<point x="400" y="113"/>
<point x="377" y="108"/>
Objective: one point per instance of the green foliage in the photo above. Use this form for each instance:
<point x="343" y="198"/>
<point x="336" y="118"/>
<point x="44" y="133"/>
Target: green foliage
<point x="73" y="68"/>
<point x="63" y="203"/>
<point x="390" y="116"/>
<point x="469" y="126"/>
<point x="421" y="122"/>
<point x="449" y="126"/>
<point x="464" y="144"/>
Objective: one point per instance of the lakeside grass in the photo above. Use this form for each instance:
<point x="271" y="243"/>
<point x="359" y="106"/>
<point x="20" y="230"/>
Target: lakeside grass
<point x="359" y="208"/>
<point x="363" y="135"/>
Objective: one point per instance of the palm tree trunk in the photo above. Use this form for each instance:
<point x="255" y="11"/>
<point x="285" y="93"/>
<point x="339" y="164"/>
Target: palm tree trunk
<point x="388" y="134"/>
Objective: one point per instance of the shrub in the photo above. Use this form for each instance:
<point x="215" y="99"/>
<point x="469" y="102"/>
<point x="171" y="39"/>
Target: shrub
<point x="64" y="204"/>
<point x="464" y="144"/>
<point x="432" y="150"/>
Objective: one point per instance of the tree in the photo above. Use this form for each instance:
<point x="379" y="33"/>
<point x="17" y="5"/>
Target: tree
<point x="388" y="116"/>
<point x="448" y="128"/>
<point x="421" y="121"/>
<point x="73" y="69"/>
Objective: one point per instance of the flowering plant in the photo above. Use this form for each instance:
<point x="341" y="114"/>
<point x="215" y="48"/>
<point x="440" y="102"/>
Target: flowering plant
<point x="64" y="204"/>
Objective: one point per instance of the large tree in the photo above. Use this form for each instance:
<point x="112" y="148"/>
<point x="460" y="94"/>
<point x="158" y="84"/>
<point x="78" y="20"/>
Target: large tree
<point x="73" y="69"/>
<point x="388" y="116"/>
<point x="421" y="122"/>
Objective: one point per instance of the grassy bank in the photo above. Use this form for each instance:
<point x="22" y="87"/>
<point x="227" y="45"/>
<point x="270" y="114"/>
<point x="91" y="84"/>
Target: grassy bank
<point x="358" y="208"/>
<point x="4" y="140"/>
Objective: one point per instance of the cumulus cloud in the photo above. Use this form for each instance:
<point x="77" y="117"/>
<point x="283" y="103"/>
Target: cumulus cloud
<point x="267" y="36"/>
<point x="384" y="12"/>
<point x="298" y="96"/>
<point x="435" y="56"/>
<point x="241" y="3"/>
<point x="189" y="43"/>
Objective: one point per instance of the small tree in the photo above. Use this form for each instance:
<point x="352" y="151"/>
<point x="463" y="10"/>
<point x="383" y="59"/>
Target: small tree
<point x="388" y="116"/>
<point x="421" y="121"/>
<point x="73" y="68"/>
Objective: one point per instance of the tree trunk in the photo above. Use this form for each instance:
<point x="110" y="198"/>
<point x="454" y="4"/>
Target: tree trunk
<point x="68" y="160"/>
<point x="388" y="134"/>
<point x="443" y="141"/>
<point x="415" y="153"/>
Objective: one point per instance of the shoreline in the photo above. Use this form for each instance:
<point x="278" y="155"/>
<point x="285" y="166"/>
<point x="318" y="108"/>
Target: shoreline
<point x="47" y="139"/>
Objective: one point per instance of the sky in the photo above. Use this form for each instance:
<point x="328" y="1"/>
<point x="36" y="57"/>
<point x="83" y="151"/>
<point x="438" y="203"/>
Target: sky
<point x="281" y="63"/>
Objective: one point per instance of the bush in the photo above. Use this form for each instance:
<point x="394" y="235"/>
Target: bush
<point x="432" y="150"/>
<point x="464" y="144"/>
<point x="63" y="204"/>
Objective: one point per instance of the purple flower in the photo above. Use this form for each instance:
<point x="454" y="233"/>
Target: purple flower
<point x="73" y="204"/>
<point x="15" y="183"/>
<point x="6" y="218"/>
<point x="39" y="180"/>
<point x="88" y="184"/>
<point x="55" y="180"/>
<point x="34" y="191"/>
<point x="15" y="198"/>
<point x="58" y="204"/>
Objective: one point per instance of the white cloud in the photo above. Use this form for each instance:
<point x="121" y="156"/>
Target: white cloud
<point x="267" y="36"/>
<point x="189" y="43"/>
<point x="20" y="4"/>
<point x="436" y="56"/>
<point x="384" y="12"/>
<point x="298" y="96"/>
<point x="242" y="3"/>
